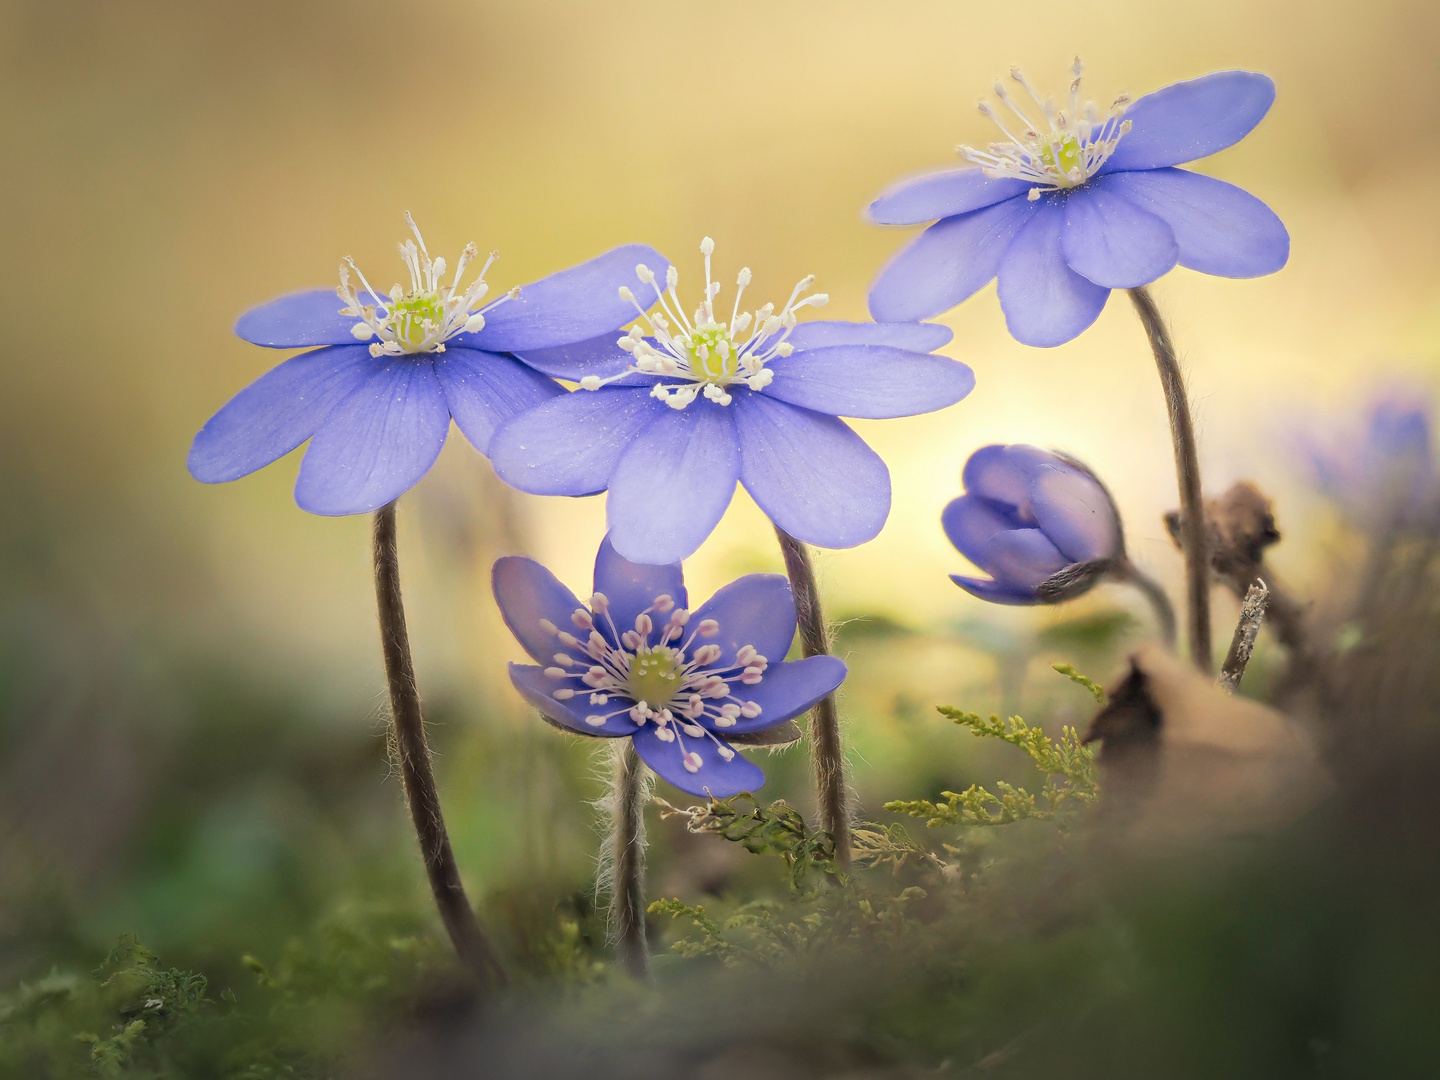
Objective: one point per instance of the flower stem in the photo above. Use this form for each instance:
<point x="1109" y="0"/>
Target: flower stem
<point x="824" y="718"/>
<point x="1131" y="574"/>
<point x="1187" y="474"/>
<point x="470" y="941"/>
<point x="627" y="859"/>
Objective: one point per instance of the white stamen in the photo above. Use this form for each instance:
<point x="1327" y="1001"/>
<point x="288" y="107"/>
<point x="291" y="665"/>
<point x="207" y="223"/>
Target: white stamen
<point x="428" y="314"/>
<point x="1064" y="152"/>
<point x="706" y="356"/>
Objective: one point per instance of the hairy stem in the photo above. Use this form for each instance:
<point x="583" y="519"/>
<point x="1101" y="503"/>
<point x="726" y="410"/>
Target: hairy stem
<point x="470" y="941"/>
<point x="824" y="718"/>
<point x="627" y="860"/>
<point x="1252" y="613"/>
<point x="1160" y="604"/>
<point x="1187" y="474"/>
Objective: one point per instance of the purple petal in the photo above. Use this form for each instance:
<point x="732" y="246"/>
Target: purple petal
<point x="1045" y="302"/>
<point x="1021" y="557"/>
<point x="527" y="593"/>
<point x="1075" y="513"/>
<point x="874" y="382"/>
<point x="947" y="263"/>
<point x="1221" y="229"/>
<point x="918" y="337"/>
<point x="756" y="610"/>
<point x="671" y="487"/>
<point x="577" y="304"/>
<point x="716" y="777"/>
<point x="298" y="321"/>
<point x="277" y="412"/>
<point x="1004" y="474"/>
<point x="537" y="688"/>
<point x="940" y="195"/>
<point x="571" y="444"/>
<point x="995" y="592"/>
<point x="376" y="443"/>
<point x="1111" y="241"/>
<point x="598" y="356"/>
<point x="484" y="390"/>
<point x="786" y="690"/>
<point x="970" y="522"/>
<point x="1190" y="120"/>
<point x="632" y="587"/>
<point x="812" y="475"/>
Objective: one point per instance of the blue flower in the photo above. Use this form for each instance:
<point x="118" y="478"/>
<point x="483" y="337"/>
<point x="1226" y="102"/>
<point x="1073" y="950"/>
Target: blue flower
<point x="635" y="662"/>
<point x="1040" y="525"/>
<point x="669" y="421"/>
<point x="377" y="414"/>
<point x="1073" y="204"/>
<point x="1383" y="475"/>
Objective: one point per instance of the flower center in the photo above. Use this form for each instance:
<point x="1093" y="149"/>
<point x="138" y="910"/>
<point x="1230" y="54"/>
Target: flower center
<point x="684" y="692"/>
<point x="426" y="316"/>
<point x="706" y="355"/>
<point x="655" y="677"/>
<point x="1060" y="154"/>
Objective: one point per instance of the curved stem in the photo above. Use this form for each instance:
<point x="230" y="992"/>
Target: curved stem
<point x="824" y="718"/>
<point x="1187" y="474"/>
<point x="627" y="860"/>
<point x="1160" y="604"/>
<point x="470" y="941"/>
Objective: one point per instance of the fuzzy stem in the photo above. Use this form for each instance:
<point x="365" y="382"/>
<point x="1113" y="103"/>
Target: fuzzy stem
<point x="627" y="854"/>
<point x="1160" y="604"/>
<point x="1187" y="474"/>
<point x="1252" y="613"/>
<point x="824" y="718"/>
<point x="470" y="941"/>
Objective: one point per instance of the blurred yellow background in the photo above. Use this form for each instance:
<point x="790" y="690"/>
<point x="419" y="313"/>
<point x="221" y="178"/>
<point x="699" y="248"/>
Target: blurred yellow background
<point x="168" y="165"/>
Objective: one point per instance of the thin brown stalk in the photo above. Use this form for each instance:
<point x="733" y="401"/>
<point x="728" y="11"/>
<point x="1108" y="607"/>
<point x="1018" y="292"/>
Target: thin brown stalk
<point x="470" y="941"/>
<point x="1187" y="474"/>
<point x="1131" y="574"/>
<point x="829" y="756"/>
<point x="1252" y="613"/>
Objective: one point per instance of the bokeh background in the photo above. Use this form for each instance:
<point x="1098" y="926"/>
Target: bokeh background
<point x="191" y="737"/>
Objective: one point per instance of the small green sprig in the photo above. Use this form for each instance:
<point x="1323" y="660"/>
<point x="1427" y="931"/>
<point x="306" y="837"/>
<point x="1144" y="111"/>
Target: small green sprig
<point x="1069" y="768"/>
<point x="1069" y="671"/>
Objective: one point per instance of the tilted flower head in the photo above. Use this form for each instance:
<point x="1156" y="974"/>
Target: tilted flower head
<point x="387" y="373"/>
<point x="1383" y="475"/>
<point x="1074" y="202"/>
<point x="1040" y="525"/>
<point x="636" y="662"/>
<point x="673" y="414"/>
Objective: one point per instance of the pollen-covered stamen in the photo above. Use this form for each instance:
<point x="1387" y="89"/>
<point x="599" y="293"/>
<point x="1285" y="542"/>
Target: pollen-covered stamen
<point x="423" y="318"/>
<point x="1063" y="152"/>
<point x="682" y="692"/>
<point x="704" y="354"/>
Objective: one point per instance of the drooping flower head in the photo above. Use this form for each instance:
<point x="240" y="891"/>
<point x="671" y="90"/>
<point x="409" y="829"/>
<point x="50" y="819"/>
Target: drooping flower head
<point x="672" y="415"/>
<point x="1041" y="525"/>
<point x="1074" y="201"/>
<point x="386" y="372"/>
<point x="635" y="662"/>
<point x="1382" y="472"/>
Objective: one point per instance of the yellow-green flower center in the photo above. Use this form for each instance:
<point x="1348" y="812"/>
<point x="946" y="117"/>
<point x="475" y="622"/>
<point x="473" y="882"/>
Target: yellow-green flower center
<point x="654" y="677"/>
<point x="713" y="354"/>
<point x="414" y="318"/>
<point x="1066" y="156"/>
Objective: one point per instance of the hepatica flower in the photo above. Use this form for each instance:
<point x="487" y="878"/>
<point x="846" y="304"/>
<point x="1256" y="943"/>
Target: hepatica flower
<point x="634" y="662"/>
<point x="672" y="415"/>
<point x="1040" y="525"/>
<point x="1384" y="473"/>
<point x="1073" y="202"/>
<point x="387" y="372"/>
